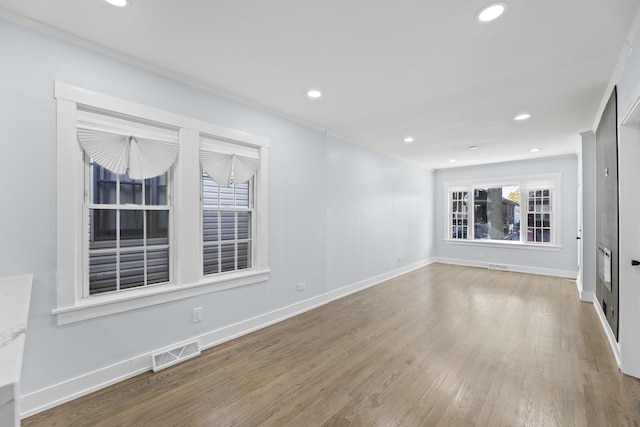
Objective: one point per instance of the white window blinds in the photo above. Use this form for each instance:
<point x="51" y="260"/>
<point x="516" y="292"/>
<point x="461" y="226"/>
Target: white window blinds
<point x="227" y="163"/>
<point x="121" y="146"/>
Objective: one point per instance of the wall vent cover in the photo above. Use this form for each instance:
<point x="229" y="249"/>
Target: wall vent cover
<point x="171" y="356"/>
<point x="500" y="267"/>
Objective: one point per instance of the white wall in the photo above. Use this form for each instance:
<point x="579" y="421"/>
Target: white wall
<point x="375" y="205"/>
<point x="628" y="90"/>
<point x="339" y="213"/>
<point x="588" y="158"/>
<point x="562" y="263"/>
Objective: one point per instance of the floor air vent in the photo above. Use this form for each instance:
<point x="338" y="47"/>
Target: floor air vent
<point x="500" y="267"/>
<point x="170" y="357"/>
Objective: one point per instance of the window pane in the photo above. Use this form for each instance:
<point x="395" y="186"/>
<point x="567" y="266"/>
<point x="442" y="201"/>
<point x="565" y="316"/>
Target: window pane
<point x="210" y="229"/>
<point x="102" y="228"/>
<point x="226" y="196"/>
<point x="157" y="227"/>
<point x="530" y="235"/>
<point x="244" y="254"/>
<point x="210" y="260"/>
<point x="131" y="227"/>
<point x="157" y="266"/>
<point x="228" y="225"/>
<point x="130" y="190"/>
<point x="209" y="191"/>
<point x="102" y="273"/>
<point x="103" y="185"/>
<point x="497" y="213"/>
<point x="244" y="225"/>
<point x="131" y="269"/>
<point x="155" y="191"/>
<point x="228" y="261"/>
<point x="242" y="195"/>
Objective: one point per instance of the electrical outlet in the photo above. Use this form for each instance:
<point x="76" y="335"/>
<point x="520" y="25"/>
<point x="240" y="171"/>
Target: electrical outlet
<point x="399" y="258"/>
<point x="302" y="286"/>
<point x="197" y="315"/>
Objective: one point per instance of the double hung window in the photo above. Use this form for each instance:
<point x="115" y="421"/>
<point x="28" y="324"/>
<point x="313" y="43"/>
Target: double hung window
<point x="228" y="206"/>
<point x="539" y="215"/>
<point x="153" y="206"/>
<point x="459" y="215"/>
<point x="226" y="226"/>
<point x="127" y="202"/>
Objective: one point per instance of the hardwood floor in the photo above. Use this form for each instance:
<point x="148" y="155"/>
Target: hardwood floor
<point x="442" y="346"/>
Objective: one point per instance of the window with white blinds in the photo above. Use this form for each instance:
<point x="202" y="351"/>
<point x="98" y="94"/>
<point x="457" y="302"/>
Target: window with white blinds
<point x="227" y="206"/>
<point x="152" y="206"/>
<point x="127" y="202"/>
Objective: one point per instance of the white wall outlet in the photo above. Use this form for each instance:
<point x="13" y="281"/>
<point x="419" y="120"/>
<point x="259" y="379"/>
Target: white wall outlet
<point x="399" y="258"/>
<point x="197" y="315"/>
<point x="302" y="286"/>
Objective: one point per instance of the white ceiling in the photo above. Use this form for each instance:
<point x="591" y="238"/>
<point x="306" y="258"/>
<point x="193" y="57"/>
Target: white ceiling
<point x="388" y="69"/>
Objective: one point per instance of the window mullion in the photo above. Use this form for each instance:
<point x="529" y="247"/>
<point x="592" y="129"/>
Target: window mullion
<point x="144" y="246"/>
<point x="471" y="213"/>
<point x="118" y="233"/>
<point x="219" y="238"/>
<point x="524" y="215"/>
<point x="143" y="202"/>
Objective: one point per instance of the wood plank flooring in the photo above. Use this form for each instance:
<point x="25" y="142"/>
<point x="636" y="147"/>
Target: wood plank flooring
<point x="441" y="346"/>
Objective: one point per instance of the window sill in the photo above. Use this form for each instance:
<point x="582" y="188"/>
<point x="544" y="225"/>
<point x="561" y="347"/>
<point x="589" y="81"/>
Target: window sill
<point x="104" y="305"/>
<point x="503" y="244"/>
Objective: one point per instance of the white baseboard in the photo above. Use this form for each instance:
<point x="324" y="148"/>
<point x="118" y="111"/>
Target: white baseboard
<point x="567" y="274"/>
<point x="43" y="399"/>
<point x="615" y="348"/>
<point x="587" y="296"/>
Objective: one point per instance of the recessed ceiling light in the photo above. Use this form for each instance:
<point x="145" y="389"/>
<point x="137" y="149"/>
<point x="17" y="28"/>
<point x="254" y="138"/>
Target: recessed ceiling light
<point x="534" y="150"/>
<point x="452" y="161"/>
<point x="409" y="140"/>
<point x="314" y="93"/>
<point x="119" y="3"/>
<point x="523" y="116"/>
<point x="491" y="12"/>
<point x="473" y="147"/>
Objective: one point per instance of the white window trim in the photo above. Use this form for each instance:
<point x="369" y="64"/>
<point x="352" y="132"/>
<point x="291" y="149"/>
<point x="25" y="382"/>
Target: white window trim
<point x="525" y="182"/>
<point x="187" y="279"/>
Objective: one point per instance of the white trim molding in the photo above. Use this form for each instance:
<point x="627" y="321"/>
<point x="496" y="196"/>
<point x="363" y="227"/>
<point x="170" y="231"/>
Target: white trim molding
<point x="587" y="296"/>
<point x="49" y="397"/>
<point x="565" y="274"/>
<point x="615" y="347"/>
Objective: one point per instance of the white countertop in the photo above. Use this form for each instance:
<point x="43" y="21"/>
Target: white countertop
<point x="15" y="294"/>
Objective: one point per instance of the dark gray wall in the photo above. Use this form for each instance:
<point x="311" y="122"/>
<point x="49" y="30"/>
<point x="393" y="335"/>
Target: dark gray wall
<point x="607" y="209"/>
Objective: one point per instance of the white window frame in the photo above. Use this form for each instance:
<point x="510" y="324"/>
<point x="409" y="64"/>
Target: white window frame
<point x="187" y="280"/>
<point x="525" y="183"/>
